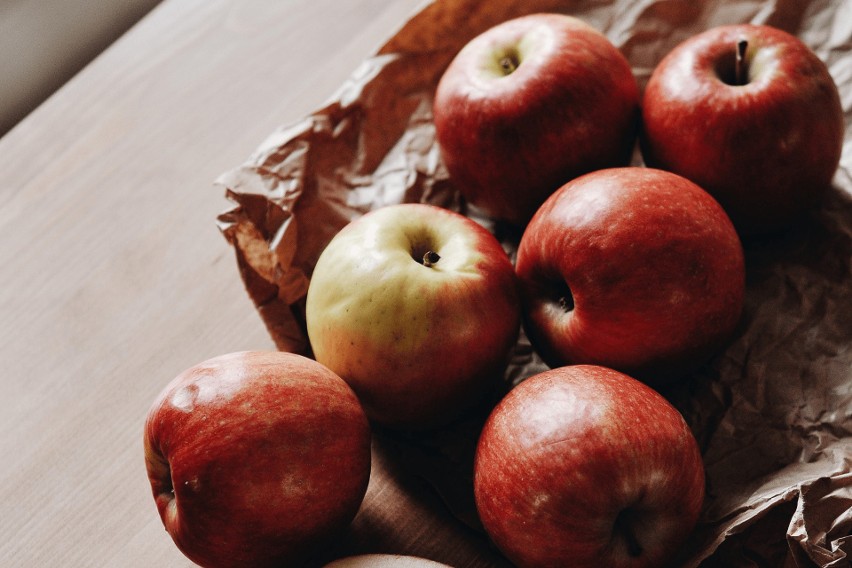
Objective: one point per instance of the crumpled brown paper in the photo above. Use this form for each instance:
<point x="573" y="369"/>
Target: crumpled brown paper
<point x="773" y="412"/>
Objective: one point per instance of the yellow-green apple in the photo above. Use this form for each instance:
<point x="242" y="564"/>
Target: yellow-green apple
<point x="417" y="308"/>
<point x="528" y="105"/>
<point x="384" y="561"/>
<point x="584" y="466"/>
<point x="750" y="114"/>
<point x="631" y="268"/>
<point x="256" y="459"/>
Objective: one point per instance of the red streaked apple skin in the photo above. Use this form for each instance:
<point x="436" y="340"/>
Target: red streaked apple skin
<point x="570" y="107"/>
<point x="767" y="150"/>
<point x="418" y="344"/>
<point x="256" y="459"/>
<point x="585" y="467"/>
<point x="654" y="267"/>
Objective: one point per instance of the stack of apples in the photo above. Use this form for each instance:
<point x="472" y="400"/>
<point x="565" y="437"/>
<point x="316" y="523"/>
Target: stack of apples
<point x="626" y="278"/>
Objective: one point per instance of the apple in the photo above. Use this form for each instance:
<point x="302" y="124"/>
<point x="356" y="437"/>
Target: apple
<point x="256" y="459"/>
<point x="384" y="561"/>
<point x="584" y="466"/>
<point x="752" y="115"/>
<point x="530" y="104"/>
<point x="632" y="268"/>
<point x="417" y="308"/>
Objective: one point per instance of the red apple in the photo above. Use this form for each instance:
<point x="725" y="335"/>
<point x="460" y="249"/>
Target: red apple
<point x="256" y="459"/>
<point x="530" y="104"/>
<point x="751" y="114"/>
<point x="631" y="268"/>
<point x="586" y="467"/>
<point x="417" y="308"/>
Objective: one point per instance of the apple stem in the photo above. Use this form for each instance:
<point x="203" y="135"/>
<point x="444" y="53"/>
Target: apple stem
<point x="740" y="70"/>
<point x="564" y="297"/>
<point x="508" y="64"/>
<point x="430" y="258"/>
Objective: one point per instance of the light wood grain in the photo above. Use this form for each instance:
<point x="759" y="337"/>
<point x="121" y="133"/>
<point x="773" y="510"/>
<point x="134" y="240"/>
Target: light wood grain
<point x="115" y="278"/>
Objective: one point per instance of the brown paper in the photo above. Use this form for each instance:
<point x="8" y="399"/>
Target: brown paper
<point x="772" y="413"/>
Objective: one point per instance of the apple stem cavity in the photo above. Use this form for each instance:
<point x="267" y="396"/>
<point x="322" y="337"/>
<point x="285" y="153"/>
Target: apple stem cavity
<point x="430" y="258"/>
<point x="565" y="298"/>
<point x="509" y="63"/>
<point x="160" y="476"/>
<point x="740" y="67"/>
<point x="623" y="530"/>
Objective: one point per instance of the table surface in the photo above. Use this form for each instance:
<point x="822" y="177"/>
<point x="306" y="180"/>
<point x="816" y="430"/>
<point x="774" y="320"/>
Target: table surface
<point x="115" y="277"/>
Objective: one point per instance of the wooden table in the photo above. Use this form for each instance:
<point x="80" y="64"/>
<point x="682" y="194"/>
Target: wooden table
<point x="115" y="277"/>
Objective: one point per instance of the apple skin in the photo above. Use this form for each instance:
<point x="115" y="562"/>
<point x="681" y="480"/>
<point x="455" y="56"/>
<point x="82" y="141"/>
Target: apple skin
<point x="584" y="466"/>
<point x="509" y="140"/>
<point x="768" y="149"/>
<point x="256" y="459"/>
<point x="631" y="268"/>
<point x="418" y="344"/>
